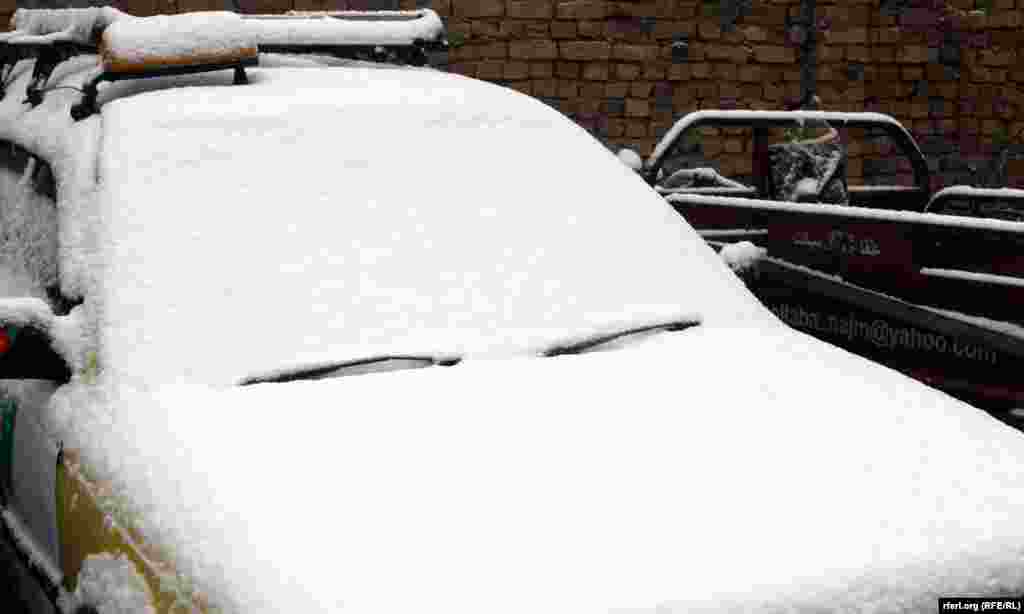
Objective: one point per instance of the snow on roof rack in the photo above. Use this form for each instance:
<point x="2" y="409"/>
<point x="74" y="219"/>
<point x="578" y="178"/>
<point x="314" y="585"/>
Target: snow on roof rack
<point x="402" y="36"/>
<point x="143" y="47"/>
<point x="50" y="36"/>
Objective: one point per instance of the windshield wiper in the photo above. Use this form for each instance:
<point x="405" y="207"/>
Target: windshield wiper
<point x="353" y="368"/>
<point x="583" y="345"/>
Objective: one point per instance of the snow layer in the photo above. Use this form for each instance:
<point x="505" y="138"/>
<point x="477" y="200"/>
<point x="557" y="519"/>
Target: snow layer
<point x="618" y="481"/>
<point x="111" y="585"/>
<point x="187" y="38"/>
<point x="347" y="28"/>
<point x="741" y="256"/>
<point x="81" y="25"/>
<point x="329" y="258"/>
<point x="736" y="463"/>
<point x="28" y="231"/>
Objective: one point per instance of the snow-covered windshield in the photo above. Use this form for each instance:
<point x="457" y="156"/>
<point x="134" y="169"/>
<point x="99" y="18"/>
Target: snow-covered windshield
<point x="333" y="215"/>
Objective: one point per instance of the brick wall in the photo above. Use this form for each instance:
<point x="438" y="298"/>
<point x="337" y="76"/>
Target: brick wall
<point x="626" y="70"/>
<point x="620" y="70"/>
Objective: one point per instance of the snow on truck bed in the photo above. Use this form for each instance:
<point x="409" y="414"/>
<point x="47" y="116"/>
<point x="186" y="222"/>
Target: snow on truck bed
<point x="734" y="466"/>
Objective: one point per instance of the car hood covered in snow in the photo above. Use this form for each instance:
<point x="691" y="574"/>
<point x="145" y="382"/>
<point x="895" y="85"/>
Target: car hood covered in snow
<point x="684" y="472"/>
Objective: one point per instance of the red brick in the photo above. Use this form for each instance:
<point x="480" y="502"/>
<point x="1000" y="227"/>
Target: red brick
<point x="582" y="9"/>
<point x="911" y="54"/>
<point x="516" y="70"/>
<point x="857" y="53"/>
<point x="592" y="90"/>
<point x="774" y="54"/>
<point x="718" y="52"/>
<point x="640" y="89"/>
<point x="585" y="50"/>
<point x="636" y="128"/>
<point x="533" y="50"/>
<point x="490" y="69"/>
<point x="478" y="8"/>
<point x="616" y="89"/>
<point x="563" y="29"/>
<point x="628" y="71"/>
<point x="537" y="29"/>
<point x="568" y="89"/>
<point x="542" y="70"/>
<point x="634" y="53"/>
<point x="595" y="71"/>
<point x="636" y="107"/>
<point x="530" y="9"/>
<point x="725" y="72"/>
<point x="590" y="29"/>
<point x="567" y="70"/>
<point x="709" y="31"/>
<point x="682" y="72"/>
<point x="494" y="51"/>
<point x="486" y="29"/>
<point x="666" y="30"/>
<point x="545" y="88"/>
<point x="654" y="72"/>
<point x="912" y="73"/>
<point x="701" y="70"/>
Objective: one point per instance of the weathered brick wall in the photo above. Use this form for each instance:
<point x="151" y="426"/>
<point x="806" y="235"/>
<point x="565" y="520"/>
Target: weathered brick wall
<point x="627" y="69"/>
<point x="949" y="77"/>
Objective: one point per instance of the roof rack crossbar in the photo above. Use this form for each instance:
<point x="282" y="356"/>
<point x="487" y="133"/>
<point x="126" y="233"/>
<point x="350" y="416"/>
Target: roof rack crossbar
<point x="48" y="56"/>
<point x="87" y="106"/>
<point x="415" y="54"/>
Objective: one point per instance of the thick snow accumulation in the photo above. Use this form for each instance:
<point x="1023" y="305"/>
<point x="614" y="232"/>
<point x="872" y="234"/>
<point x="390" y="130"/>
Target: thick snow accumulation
<point x="50" y="25"/>
<point x="28" y="231"/>
<point x="178" y="39"/>
<point x="335" y="214"/>
<point x="330" y="258"/>
<point x="347" y="28"/>
<point x="612" y="481"/>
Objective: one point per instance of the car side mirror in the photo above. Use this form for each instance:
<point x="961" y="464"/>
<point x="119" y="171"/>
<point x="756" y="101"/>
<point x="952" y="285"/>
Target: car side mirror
<point x="631" y="159"/>
<point x="26" y="343"/>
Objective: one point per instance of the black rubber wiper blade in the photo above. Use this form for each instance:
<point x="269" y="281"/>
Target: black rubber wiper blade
<point x="321" y="371"/>
<point x="591" y="342"/>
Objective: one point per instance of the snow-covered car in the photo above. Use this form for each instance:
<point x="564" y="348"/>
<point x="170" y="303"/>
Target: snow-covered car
<point x="251" y="287"/>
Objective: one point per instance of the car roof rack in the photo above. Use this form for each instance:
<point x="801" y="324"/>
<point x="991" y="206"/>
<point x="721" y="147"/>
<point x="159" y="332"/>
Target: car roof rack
<point x="166" y="45"/>
<point x="403" y="37"/>
<point x="143" y="47"/>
